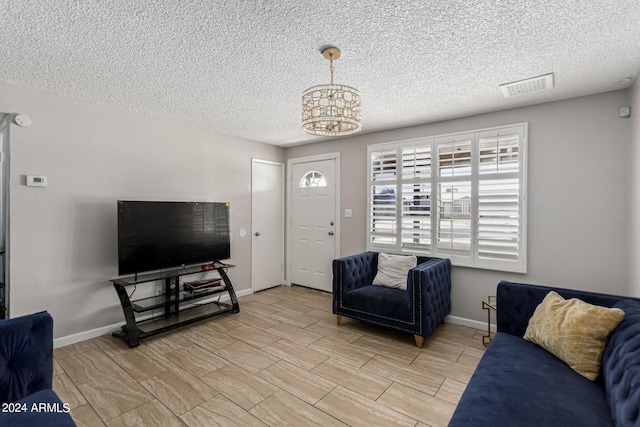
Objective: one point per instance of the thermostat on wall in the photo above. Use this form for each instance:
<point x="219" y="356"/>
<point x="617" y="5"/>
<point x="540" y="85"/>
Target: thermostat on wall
<point x="36" y="181"/>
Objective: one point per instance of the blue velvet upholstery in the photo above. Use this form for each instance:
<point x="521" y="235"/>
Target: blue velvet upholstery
<point x="417" y="310"/>
<point x="516" y="303"/>
<point x="517" y="383"/>
<point x="26" y="372"/>
<point x="621" y="367"/>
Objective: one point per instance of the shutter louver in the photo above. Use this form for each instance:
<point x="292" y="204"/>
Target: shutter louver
<point x="454" y="159"/>
<point x="416" y="162"/>
<point x="498" y="220"/>
<point x="500" y="154"/>
<point x="454" y="218"/>
<point x="383" y="198"/>
<point x="383" y="165"/>
<point x="416" y="199"/>
<point x="416" y="216"/>
<point x="383" y="214"/>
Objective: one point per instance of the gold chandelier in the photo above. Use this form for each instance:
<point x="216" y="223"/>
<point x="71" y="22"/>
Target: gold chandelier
<point x="331" y="110"/>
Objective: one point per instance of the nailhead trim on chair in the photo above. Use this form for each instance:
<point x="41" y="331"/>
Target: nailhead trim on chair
<point x="361" y="270"/>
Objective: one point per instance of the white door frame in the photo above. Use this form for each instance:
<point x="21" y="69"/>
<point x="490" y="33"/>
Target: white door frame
<point x="308" y="159"/>
<point x="254" y="211"/>
<point x="5" y="164"/>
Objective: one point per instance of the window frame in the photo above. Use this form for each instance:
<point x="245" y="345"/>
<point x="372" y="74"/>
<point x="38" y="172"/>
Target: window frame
<point x="502" y="177"/>
<point x="312" y="179"/>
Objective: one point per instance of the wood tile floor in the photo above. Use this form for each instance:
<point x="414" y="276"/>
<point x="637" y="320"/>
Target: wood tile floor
<point x="281" y="361"/>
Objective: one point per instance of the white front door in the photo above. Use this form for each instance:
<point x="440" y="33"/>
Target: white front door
<point x="313" y="223"/>
<point x="267" y="224"/>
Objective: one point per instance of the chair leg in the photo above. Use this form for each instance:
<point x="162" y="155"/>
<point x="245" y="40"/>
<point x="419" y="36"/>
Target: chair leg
<point x="419" y="340"/>
<point x="339" y="319"/>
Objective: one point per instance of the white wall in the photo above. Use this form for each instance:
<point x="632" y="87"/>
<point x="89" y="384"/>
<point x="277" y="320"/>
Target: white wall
<point x="634" y="172"/>
<point x="63" y="247"/>
<point x="578" y="195"/>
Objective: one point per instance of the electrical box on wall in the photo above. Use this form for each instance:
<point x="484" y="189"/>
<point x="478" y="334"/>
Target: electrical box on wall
<point x="36" y="181"/>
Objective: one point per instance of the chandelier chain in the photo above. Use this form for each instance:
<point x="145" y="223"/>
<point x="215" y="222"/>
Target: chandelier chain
<point x="331" y="69"/>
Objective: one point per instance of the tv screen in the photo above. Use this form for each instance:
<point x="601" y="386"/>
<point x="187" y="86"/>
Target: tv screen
<point x="159" y="235"/>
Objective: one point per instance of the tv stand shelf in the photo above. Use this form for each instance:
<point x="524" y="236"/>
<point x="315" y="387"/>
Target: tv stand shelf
<point x="178" y="307"/>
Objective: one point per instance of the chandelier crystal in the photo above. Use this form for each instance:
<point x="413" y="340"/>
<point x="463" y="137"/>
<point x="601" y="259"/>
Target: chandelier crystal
<point x="331" y="110"/>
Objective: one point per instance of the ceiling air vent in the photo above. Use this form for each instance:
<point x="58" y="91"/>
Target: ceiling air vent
<point x="524" y="87"/>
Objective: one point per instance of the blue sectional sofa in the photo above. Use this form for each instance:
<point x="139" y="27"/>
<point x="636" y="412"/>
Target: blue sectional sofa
<point x="418" y="310"/>
<point x="26" y="374"/>
<point x="517" y="383"/>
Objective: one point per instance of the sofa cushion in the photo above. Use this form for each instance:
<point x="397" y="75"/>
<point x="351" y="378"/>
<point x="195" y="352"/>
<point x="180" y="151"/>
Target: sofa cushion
<point x="621" y="367"/>
<point x="574" y="331"/>
<point x="393" y="270"/>
<point x="378" y="303"/>
<point x="519" y="384"/>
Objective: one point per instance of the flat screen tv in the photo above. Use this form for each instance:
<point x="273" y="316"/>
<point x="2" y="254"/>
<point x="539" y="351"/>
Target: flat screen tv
<point x="159" y="235"/>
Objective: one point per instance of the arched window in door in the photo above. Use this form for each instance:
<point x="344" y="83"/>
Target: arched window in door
<point x="313" y="179"/>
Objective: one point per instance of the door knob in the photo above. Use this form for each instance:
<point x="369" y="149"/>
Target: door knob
<point x="331" y="233"/>
<point x="257" y="233"/>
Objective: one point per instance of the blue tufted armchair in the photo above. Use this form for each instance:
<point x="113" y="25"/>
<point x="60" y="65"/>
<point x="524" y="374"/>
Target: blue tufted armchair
<point x="26" y="373"/>
<point x="417" y="310"/>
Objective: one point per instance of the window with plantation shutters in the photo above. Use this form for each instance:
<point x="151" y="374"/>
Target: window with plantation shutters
<point x="382" y="211"/>
<point x="415" y="188"/>
<point x="458" y="196"/>
<point x="499" y="188"/>
<point x="453" y="221"/>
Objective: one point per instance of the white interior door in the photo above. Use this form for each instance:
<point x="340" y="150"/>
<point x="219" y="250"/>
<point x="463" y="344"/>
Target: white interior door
<point x="267" y="225"/>
<point x="313" y="223"/>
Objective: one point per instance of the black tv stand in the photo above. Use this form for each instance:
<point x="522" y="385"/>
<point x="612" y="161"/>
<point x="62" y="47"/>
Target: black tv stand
<point x="177" y="307"/>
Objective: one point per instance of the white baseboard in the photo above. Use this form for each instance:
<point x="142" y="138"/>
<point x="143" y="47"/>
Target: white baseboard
<point x="106" y="330"/>
<point x="85" y="335"/>
<point x="469" y="322"/>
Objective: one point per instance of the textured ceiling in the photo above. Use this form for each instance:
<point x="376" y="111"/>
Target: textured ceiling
<point x="240" y="67"/>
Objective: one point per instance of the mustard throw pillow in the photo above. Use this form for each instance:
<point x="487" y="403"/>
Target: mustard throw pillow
<point x="574" y="331"/>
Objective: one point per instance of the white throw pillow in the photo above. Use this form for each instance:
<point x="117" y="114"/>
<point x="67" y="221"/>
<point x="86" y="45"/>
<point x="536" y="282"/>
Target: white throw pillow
<point x="393" y="269"/>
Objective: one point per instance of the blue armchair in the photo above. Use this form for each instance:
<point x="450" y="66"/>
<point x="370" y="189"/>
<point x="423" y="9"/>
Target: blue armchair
<point x="26" y="374"/>
<point x="417" y="310"/>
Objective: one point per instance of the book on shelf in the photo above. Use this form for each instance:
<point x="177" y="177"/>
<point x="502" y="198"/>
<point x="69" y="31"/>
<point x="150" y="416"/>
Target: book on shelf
<point x="200" y="285"/>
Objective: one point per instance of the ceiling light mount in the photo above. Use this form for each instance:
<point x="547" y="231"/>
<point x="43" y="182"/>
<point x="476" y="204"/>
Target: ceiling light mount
<point x="331" y="110"/>
<point x="331" y="53"/>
